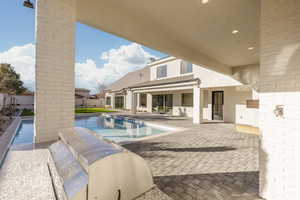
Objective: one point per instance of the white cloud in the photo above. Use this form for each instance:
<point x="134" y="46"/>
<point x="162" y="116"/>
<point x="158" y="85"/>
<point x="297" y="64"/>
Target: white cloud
<point x="22" y="58"/>
<point x="118" y="62"/>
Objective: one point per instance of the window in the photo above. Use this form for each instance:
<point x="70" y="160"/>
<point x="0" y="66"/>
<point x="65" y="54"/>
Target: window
<point x="161" y="71"/>
<point x="108" y="101"/>
<point x="187" y="99"/>
<point x="186" y="67"/>
<point x="143" y="100"/>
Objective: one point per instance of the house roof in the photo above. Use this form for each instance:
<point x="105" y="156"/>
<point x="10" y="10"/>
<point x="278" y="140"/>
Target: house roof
<point x="131" y="79"/>
<point x="82" y="89"/>
<point x="180" y="79"/>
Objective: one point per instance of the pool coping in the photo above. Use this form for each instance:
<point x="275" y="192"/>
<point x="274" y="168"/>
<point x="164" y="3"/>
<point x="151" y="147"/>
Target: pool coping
<point x="8" y="137"/>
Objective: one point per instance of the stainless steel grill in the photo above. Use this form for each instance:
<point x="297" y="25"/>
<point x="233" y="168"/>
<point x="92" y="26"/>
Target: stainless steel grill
<point x="85" y="166"/>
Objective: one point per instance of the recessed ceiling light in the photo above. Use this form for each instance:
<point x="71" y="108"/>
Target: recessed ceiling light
<point x="235" y="31"/>
<point x="205" y="1"/>
<point x="250" y="48"/>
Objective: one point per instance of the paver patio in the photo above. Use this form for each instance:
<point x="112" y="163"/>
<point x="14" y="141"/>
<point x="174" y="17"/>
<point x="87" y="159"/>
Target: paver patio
<point x="202" y="162"/>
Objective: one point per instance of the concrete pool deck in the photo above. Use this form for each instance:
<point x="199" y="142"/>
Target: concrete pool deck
<point x="204" y="162"/>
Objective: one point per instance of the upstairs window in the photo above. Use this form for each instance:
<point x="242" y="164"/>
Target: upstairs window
<point x="161" y="71"/>
<point x="186" y="67"/>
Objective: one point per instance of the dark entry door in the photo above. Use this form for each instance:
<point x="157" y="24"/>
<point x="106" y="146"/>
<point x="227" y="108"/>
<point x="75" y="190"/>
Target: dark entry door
<point x="217" y="105"/>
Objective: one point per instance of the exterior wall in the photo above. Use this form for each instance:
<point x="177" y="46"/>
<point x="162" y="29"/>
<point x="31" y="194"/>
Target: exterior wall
<point x="234" y="104"/>
<point x="80" y="102"/>
<point x="211" y="78"/>
<point x="55" y="53"/>
<point x="280" y="99"/>
<point x="95" y="103"/>
<point x="178" y="109"/>
<point x="208" y="77"/>
<point x="173" y="69"/>
<point x="24" y="101"/>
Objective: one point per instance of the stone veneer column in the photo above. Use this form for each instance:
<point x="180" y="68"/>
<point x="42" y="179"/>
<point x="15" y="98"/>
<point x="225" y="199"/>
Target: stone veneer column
<point x="55" y="55"/>
<point x="280" y="99"/>
<point x="149" y="102"/>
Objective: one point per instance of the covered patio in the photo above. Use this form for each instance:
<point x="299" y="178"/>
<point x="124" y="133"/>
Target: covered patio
<point x="225" y="36"/>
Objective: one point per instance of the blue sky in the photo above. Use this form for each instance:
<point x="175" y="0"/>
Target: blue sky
<point x="95" y="49"/>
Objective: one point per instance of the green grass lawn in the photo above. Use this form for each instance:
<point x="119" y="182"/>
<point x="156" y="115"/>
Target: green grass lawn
<point x="27" y="112"/>
<point x="92" y="110"/>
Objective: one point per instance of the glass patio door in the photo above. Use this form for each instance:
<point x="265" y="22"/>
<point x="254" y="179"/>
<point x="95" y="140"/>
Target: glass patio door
<point x="162" y="103"/>
<point x="119" y="102"/>
<point x="217" y="105"/>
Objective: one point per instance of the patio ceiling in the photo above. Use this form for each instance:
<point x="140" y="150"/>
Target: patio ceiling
<point x="196" y="30"/>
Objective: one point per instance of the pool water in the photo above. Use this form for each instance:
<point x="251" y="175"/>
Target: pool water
<point x="113" y="128"/>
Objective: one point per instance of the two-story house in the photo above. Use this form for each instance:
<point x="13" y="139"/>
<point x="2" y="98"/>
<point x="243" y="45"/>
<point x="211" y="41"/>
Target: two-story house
<point x="179" y="88"/>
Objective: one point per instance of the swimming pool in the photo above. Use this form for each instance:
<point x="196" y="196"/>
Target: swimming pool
<point x="117" y="129"/>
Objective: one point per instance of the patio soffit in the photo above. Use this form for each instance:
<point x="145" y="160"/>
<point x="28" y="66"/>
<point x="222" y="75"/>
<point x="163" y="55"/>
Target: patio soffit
<point x="196" y="30"/>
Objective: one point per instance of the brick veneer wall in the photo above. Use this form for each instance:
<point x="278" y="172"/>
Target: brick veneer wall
<point x="55" y="48"/>
<point x="280" y="86"/>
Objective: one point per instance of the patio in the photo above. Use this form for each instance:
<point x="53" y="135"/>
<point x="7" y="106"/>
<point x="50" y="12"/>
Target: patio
<point x="205" y="162"/>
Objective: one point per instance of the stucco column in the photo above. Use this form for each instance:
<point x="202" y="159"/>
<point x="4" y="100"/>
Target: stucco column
<point x="280" y="99"/>
<point x="149" y="102"/>
<point x="133" y="103"/>
<point x="197" y="110"/>
<point x="54" y="75"/>
<point x="113" y="101"/>
<point x="138" y="100"/>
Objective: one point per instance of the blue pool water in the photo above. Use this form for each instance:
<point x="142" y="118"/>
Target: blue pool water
<point x="116" y="129"/>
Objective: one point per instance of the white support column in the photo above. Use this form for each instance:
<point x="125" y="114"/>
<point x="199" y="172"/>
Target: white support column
<point x="138" y="99"/>
<point x="133" y="103"/>
<point x="149" y="102"/>
<point x="197" y="109"/>
<point x="113" y="101"/>
<point x="55" y="60"/>
<point x="279" y="96"/>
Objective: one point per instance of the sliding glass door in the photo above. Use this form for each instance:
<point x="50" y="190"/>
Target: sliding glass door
<point x="162" y="103"/>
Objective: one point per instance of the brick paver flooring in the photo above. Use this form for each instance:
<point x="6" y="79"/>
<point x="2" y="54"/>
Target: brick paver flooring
<point x="205" y="162"/>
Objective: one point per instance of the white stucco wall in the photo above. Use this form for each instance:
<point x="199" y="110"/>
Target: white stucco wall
<point x="234" y="102"/>
<point x="280" y="88"/>
<point x="173" y="69"/>
<point x="211" y="78"/>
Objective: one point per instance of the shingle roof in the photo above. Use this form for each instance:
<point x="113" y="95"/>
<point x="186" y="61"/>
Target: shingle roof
<point x="131" y="78"/>
<point x="166" y="81"/>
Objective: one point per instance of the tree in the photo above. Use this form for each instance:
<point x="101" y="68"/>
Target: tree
<point x="10" y="80"/>
<point x="101" y="87"/>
